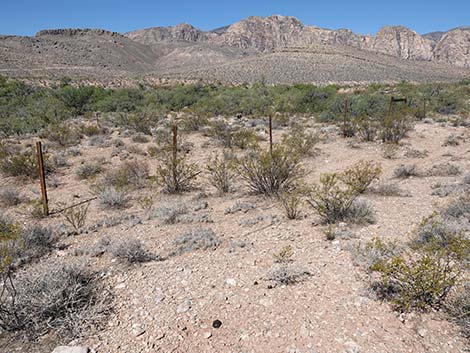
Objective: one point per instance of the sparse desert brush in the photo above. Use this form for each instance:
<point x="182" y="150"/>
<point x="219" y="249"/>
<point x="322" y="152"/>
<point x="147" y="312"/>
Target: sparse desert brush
<point x="196" y="239"/>
<point x="244" y="138"/>
<point x="62" y="134"/>
<point x="10" y="196"/>
<point x="284" y="255"/>
<point x="140" y="138"/>
<point x="405" y="171"/>
<point x="222" y="131"/>
<point x="132" y="251"/>
<point x="88" y="170"/>
<point x="419" y="283"/>
<point x="444" y="169"/>
<point x="390" y="150"/>
<point x="221" y="171"/>
<point x="359" y="176"/>
<point x="23" y="163"/>
<point x="175" y="174"/>
<point x="59" y="297"/>
<point x="110" y="196"/>
<point x="300" y="141"/>
<point x="10" y="233"/>
<point x="194" y="122"/>
<point x="451" y="140"/>
<point x="366" y="127"/>
<point x="336" y="201"/>
<point x="388" y="189"/>
<point x="268" y="172"/>
<point x="291" y="202"/>
<point x="374" y="253"/>
<point x="393" y="128"/>
<point x="458" y="308"/>
<point x="130" y="174"/>
<point x="90" y="130"/>
<point x="76" y="215"/>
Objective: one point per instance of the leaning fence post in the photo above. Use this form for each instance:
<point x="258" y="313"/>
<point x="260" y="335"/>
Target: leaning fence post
<point x="270" y="134"/>
<point x="42" y="177"/>
<point x="175" y="151"/>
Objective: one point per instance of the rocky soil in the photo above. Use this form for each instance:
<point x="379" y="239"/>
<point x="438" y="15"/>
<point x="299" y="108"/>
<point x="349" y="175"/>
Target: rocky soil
<point x="220" y="299"/>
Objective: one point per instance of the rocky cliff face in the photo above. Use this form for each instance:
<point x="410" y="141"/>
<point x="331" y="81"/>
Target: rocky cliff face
<point x="274" y="32"/>
<point x="454" y="48"/>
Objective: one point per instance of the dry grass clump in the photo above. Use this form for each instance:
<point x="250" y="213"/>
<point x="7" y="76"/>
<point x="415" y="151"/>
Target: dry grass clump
<point x="291" y="202"/>
<point x="388" y="189"/>
<point x="130" y="174"/>
<point x="444" y="169"/>
<point x="112" y="197"/>
<point x="88" y="170"/>
<point x="287" y="274"/>
<point x="458" y="308"/>
<point x="10" y="196"/>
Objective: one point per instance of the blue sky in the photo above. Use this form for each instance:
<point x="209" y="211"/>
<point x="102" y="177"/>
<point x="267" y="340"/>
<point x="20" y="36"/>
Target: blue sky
<point x="25" y="17"/>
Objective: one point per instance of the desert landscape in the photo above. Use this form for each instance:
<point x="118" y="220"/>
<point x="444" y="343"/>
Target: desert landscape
<point x="263" y="187"/>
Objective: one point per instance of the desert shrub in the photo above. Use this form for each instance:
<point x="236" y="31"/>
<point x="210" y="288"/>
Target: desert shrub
<point x="388" y="189"/>
<point x="61" y="297"/>
<point x="466" y="179"/>
<point x="140" y="138"/>
<point x="170" y="213"/>
<point x="394" y="128"/>
<point x="458" y="208"/>
<point x="375" y="253"/>
<point x="458" y="308"/>
<point x="291" y="202"/>
<point x="131" y="251"/>
<point x="244" y="138"/>
<point x="19" y="164"/>
<point x="360" y="212"/>
<point x="10" y="197"/>
<point x="366" y="127"/>
<point x="419" y="284"/>
<point x="176" y="174"/>
<point x="194" y="122"/>
<point x="88" y="170"/>
<point x="76" y="215"/>
<point x="91" y="130"/>
<point x="359" y="176"/>
<point x="451" y="140"/>
<point x="333" y="200"/>
<point x="444" y="169"/>
<point x="196" y="239"/>
<point x="221" y="172"/>
<point x="268" y="172"/>
<point x="284" y="255"/>
<point x="299" y="141"/>
<point x="62" y="134"/>
<point x="223" y="132"/>
<point x="130" y="174"/>
<point x="111" y="197"/>
<point x="287" y="274"/>
<point x="390" y="150"/>
<point x="10" y="233"/>
<point x="406" y="171"/>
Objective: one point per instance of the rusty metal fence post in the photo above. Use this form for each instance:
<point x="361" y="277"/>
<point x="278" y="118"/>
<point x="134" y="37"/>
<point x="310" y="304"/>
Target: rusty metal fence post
<point x="270" y="134"/>
<point x="175" y="151"/>
<point x="42" y="177"/>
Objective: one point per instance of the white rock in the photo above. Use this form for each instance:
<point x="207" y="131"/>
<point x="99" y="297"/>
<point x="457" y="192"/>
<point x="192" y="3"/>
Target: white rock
<point x="184" y="306"/>
<point x="231" y="281"/>
<point x="65" y="349"/>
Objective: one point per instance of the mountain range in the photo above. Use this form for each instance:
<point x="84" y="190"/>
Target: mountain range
<point x="278" y="49"/>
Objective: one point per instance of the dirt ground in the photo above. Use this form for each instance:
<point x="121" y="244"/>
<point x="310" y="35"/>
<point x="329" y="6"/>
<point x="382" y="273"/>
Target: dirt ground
<point x="170" y="305"/>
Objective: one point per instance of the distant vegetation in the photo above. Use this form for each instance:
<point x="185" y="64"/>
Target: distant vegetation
<point x="29" y="109"/>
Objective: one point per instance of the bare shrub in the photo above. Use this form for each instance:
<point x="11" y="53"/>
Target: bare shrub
<point x="88" y="170"/>
<point x="291" y="202"/>
<point x="270" y="173"/>
<point x="458" y="308"/>
<point x="286" y="274"/>
<point x="375" y="252"/>
<point x="131" y="251"/>
<point x="10" y="197"/>
<point x="406" y="171"/>
<point x="76" y="216"/>
<point x="196" y="239"/>
<point x="175" y="174"/>
<point x="394" y="128"/>
<point x="221" y="172"/>
<point x="388" y="189"/>
<point x="61" y="297"/>
<point x="443" y="170"/>
<point x="112" y="197"/>
<point x="130" y="174"/>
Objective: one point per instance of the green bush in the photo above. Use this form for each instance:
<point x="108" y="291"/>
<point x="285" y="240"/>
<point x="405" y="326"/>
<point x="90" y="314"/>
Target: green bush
<point x="268" y="172"/>
<point x="221" y="172"/>
<point x="359" y="176"/>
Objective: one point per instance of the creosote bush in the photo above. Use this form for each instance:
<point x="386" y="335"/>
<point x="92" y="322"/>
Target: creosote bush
<point x="221" y="172"/>
<point x="336" y="201"/>
<point x="176" y="174"/>
<point x="299" y="141"/>
<point x="291" y="202"/>
<point x="359" y="176"/>
<point x="270" y="173"/>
